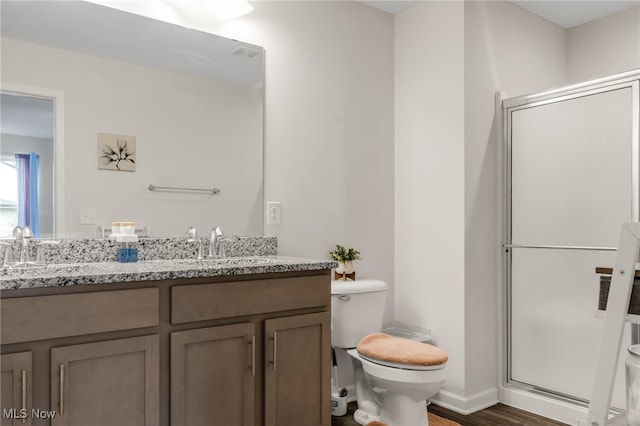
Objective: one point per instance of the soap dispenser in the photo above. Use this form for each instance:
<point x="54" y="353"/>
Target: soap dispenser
<point x="124" y="235"/>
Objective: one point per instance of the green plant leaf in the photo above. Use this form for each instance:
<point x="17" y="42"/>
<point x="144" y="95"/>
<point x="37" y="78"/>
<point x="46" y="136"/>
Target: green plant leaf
<point x="343" y="255"/>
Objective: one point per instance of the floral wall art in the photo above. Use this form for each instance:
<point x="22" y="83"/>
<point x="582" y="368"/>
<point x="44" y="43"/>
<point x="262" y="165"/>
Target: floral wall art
<point x="116" y="152"/>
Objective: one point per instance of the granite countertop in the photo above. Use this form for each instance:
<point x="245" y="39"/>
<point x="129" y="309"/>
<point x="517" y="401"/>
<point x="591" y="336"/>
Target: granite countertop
<point x="151" y="270"/>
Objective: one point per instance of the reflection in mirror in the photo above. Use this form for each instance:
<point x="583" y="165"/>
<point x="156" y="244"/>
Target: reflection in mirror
<point x="26" y="168"/>
<point x="192" y="101"/>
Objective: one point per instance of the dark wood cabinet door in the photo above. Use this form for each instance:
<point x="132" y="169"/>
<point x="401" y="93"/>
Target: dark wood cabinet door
<point x="213" y="376"/>
<point x="15" y="391"/>
<point x="114" y="382"/>
<point x="297" y="370"/>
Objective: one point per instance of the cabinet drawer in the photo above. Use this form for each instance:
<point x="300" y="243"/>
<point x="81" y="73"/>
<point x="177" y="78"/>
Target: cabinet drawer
<point x="26" y="319"/>
<point x="231" y="299"/>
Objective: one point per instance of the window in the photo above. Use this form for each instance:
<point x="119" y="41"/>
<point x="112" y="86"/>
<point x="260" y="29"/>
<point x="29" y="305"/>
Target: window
<point x="8" y="195"/>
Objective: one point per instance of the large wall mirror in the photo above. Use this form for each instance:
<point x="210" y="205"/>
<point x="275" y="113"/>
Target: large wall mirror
<point x="188" y="105"/>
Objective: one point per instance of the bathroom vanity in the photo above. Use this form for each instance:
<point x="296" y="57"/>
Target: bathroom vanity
<point x="242" y="341"/>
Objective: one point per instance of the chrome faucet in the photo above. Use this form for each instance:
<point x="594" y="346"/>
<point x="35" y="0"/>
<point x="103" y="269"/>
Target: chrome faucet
<point x="216" y="248"/>
<point x="23" y="234"/>
<point x="192" y="236"/>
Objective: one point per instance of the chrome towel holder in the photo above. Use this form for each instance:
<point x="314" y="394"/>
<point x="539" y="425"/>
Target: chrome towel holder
<point x="179" y="189"/>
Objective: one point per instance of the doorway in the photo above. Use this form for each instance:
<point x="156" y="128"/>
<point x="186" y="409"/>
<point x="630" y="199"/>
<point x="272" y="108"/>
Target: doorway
<point x="31" y="160"/>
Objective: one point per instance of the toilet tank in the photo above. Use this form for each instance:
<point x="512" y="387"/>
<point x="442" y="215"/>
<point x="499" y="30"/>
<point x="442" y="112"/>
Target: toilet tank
<point x="357" y="309"/>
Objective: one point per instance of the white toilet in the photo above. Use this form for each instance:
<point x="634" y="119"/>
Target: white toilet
<point x="389" y="388"/>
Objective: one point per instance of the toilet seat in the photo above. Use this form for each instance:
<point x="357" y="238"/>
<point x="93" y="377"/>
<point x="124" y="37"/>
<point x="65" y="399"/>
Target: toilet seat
<point x="401" y="366"/>
<point x="402" y="353"/>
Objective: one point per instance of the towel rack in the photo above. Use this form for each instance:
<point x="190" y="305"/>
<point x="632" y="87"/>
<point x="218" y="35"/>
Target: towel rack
<point x="178" y="189"/>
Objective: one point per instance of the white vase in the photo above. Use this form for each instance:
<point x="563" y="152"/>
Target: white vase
<point x="345" y="267"/>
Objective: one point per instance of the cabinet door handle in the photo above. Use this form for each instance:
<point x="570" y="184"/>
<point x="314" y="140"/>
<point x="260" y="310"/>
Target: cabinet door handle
<point x="275" y="349"/>
<point x="61" y="389"/>
<point x="23" y="390"/>
<point x="253" y="356"/>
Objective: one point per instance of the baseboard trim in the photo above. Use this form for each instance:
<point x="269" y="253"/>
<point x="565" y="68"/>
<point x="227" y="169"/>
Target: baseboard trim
<point x="533" y="403"/>
<point x="466" y="404"/>
<point x="548" y="407"/>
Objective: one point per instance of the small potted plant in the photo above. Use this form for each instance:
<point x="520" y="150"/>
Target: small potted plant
<point x="345" y="260"/>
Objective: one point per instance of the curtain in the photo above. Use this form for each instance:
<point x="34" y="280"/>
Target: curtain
<point x="27" y="166"/>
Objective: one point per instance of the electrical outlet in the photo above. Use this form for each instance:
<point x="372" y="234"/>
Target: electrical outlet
<point x="88" y="217"/>
<point x="273" y="213"/>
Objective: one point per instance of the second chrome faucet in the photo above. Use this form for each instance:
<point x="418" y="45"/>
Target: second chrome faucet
<point x="216" y="247"/>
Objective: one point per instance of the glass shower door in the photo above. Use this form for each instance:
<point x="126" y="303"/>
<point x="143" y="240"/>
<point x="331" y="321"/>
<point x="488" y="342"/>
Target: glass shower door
<point x="572" y="177"/>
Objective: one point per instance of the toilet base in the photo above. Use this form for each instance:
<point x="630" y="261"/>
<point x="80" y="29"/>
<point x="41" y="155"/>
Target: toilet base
<point x="400" y="410"/>
<point x="408" y="415"/>
<point x="363" y="418"/>
<point x="395" y="397"/>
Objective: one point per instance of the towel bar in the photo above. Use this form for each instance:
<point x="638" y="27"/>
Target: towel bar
<point x="178" y="189"/>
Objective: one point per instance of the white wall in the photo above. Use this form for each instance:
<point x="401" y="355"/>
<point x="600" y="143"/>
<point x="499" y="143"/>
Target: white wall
<point x="604" y="47"/>
<point x="511" y="50"/>
<point x="185" y="137"/>
<point x="329" y="127"/>
<point x="447" y="189"/>
<point x="429" y="177"/>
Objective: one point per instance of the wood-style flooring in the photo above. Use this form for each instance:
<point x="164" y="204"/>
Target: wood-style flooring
<point x="498" y="415"/>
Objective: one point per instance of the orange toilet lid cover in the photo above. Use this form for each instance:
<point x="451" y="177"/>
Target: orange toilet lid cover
<point x="388" y="348"/>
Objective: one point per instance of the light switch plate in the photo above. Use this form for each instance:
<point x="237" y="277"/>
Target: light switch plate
<point x="273" y="213"/>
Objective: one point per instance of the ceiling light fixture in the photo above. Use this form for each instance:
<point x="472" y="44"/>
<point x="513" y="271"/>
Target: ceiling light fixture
<point x="228" y="9"/>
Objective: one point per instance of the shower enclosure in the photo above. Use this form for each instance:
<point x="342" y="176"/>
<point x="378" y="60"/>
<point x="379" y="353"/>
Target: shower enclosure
<point x="572" y="176"/>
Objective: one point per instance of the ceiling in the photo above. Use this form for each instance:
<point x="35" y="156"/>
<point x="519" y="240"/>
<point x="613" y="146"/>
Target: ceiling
<point x="391" y="6"/>
<point x="565" y="13"/>
<point x="568" y="14"/>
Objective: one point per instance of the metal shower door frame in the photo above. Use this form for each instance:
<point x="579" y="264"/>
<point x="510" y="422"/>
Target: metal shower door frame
<point x="509" y="106"/>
